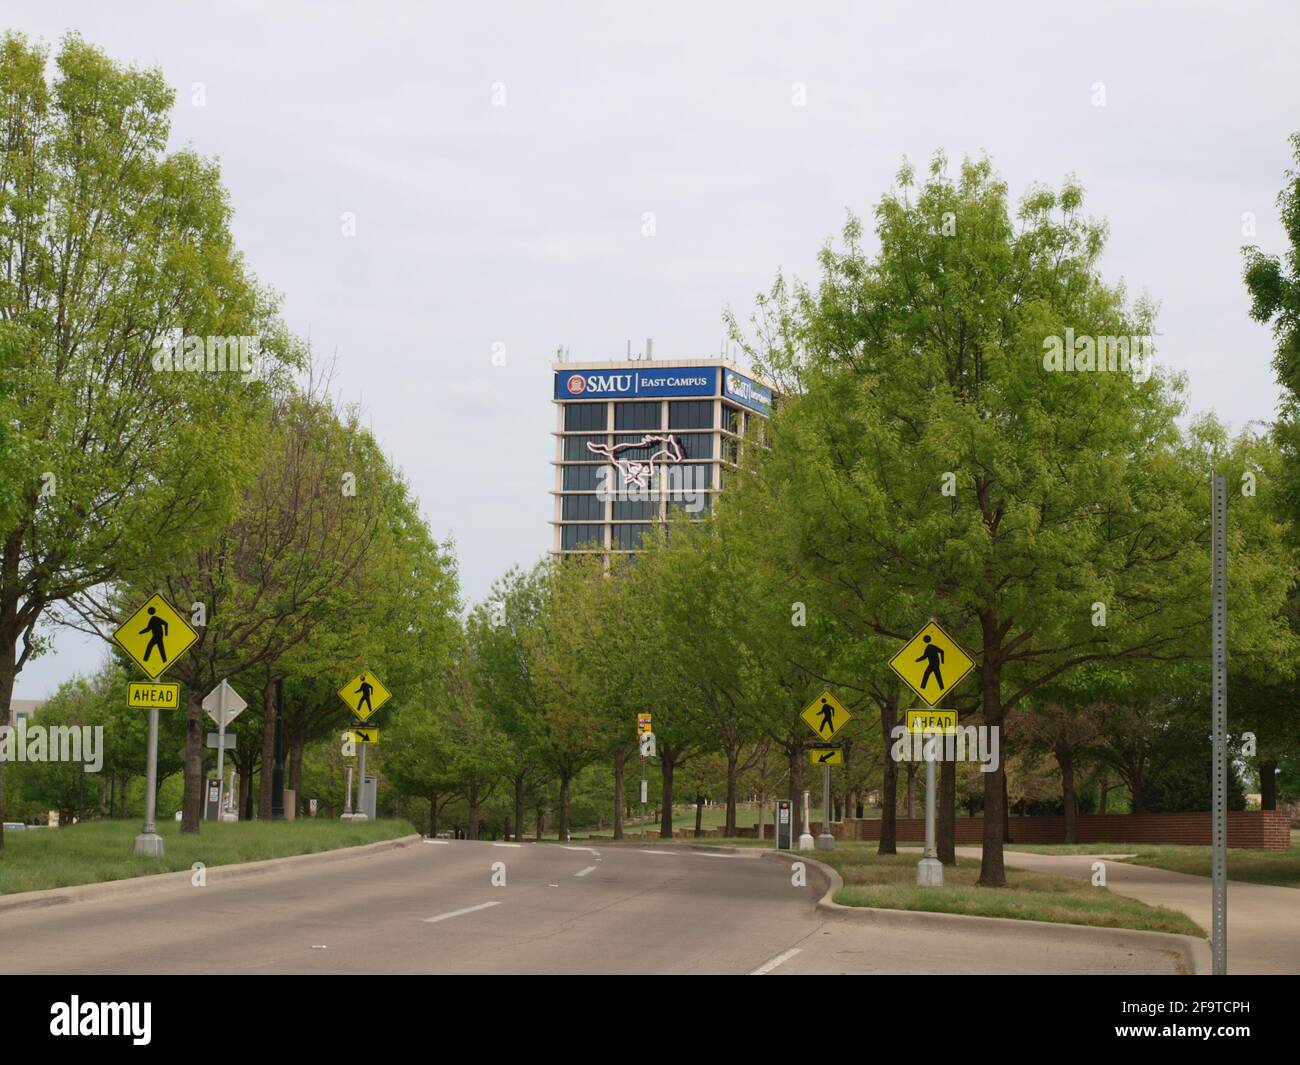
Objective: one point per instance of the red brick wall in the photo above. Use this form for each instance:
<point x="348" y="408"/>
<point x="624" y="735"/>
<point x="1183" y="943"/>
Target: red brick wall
<point x="1264" y="829"/>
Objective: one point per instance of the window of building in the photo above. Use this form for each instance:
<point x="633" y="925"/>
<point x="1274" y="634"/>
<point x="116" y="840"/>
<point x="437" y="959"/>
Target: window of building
<point x="635" y="509"/>
<point x="575" y="448"/>
<point x="581" y="478"/>
<point x="696" y="445"/>
<point x="637" y="415"/>
<point x="581" y="508"/>
<point x="584" y="416"/>
<point x="690" y="414"/>
<point x="582" y="537"/>
<point x="730" y="449"/>
<point x="731" y="419"/>
<point x="695" y="504"/>
<point x="628" y="537"/>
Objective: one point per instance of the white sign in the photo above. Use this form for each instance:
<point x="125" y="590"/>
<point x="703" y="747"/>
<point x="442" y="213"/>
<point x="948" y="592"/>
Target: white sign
<point x="221" y="740"/>
<point x="647" y="745"/>
<point x="643" y="791"/>
<point x="234" y="705"/>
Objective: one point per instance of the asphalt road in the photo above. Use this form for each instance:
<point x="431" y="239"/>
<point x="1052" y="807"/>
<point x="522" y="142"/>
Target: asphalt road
<point x="433" y="908"/>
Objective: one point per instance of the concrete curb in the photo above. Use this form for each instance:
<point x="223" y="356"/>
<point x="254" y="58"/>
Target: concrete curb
<point x="135" y="885"/>
<point x="1192" y="953"/>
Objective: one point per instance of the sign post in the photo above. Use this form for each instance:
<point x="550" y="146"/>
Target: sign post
<point x="223" y="704"/>
<point x="926" y="657"/>
<point x="347" y="802"/>
<point x="1219" y="722"/>
<point x="644" y="727"/>
<point x="805" y="838"/>
<point x="152" y="628"/>
<point x="364" y="695"/>
<point x="825" y="715"/>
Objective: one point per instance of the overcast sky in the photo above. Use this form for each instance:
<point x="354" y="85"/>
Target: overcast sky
<point x="522" y="224"/>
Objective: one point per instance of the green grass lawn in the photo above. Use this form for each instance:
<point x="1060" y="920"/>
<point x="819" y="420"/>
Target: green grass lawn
<point x="1276" y="868"/>
<point x="101" y="850"/>
<point x="889" y="882"/>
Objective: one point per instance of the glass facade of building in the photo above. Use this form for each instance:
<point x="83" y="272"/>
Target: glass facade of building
<point x="636" y="441"/>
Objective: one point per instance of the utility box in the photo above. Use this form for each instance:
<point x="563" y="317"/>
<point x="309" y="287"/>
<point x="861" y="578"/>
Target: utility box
<point x="290" y="804"/>
<point x="784" y="825"/>
<point x="212" y="807"/>
<point x="369" y="791"/>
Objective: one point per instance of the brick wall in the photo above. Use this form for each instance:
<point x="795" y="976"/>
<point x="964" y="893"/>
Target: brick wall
<point x="1263" y="829"/>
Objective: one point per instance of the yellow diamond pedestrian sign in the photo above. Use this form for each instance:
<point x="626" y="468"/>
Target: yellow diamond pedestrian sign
<point x="155" y="636"/>
<point x="826" y="715"/>
<point x="364" y="694"/>
<point x="932" y="663"/>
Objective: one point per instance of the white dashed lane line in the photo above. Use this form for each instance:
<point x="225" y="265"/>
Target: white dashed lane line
<point x="584" y="872"/>
<point x="780" y="959"/>
<point x="459" y="913"/>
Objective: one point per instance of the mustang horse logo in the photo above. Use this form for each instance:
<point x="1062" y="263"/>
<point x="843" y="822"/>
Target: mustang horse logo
<point x="639" y="471"/>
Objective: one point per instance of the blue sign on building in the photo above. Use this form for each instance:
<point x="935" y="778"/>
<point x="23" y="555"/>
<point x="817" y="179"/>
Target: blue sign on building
<point x="747" y="393"/>
<point x="636" y="384"/>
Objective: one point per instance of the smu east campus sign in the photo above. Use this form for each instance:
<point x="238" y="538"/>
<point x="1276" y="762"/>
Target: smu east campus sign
<point x="636" y="384"/>
<point x="656" y="384"/>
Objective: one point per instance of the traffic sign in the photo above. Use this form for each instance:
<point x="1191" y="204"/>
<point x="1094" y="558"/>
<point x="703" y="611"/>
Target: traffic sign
<point x="155" y="636"/>
<point x="932" y="663"/>
<point x="647" y="745"/>
<point x="222" y="741"/>
<point x="364" y="694"/>
<point x="827" y="755"/>
<point x="363" y="735"/>
<point x="944" y="721"/>
<point x="234" y="704"/>
<point x="142" y="696"/>
<point x="643" y="724"/>
<point x="826" y="715"/>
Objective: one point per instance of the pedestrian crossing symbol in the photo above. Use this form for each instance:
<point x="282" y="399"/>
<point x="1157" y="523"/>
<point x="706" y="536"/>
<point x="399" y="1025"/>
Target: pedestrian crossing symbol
<point x="932" y="663"/>
<point x="826" y="715"/>
<point x="364" y="694"/>
<point x="155" y="636"/>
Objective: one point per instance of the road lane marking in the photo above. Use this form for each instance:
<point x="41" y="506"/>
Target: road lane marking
<point x="658" y="850"/>
<point x="443" y="842"/>
<point x="780" y="959"/>
<point x="459" y="913"/>
<point x="589" y="850"/>
<point x="507" y="844"/>
<point x="584" y="872"/>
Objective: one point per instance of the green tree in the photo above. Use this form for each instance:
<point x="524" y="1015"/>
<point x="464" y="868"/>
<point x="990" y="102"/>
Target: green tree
<point x="109" y="245"/>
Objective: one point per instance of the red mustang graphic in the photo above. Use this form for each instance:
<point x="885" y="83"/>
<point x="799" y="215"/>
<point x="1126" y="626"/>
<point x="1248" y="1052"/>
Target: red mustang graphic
<point x="639" y="471"/>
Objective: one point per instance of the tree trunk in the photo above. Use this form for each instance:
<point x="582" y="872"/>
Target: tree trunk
<point x="992" y="868"/>
<point x="562" y="829"/>
<point x="1006" y="812"/>
<point x="729" y="826"/>
<point x="699" y="815"/>
<point x="520" y="788"/>
<point x="192" y="803"/>
<point x="666" y="822"/>
<point x="1268" y="785"/>
<point x="911" y="790"/>
<point x="433" y="815"/>
<point x="269" y="710"/>
<point x="946" y="830"/>
<point x="1105" y="794"/>
<point x="122" y="808"/>
<point x="620" y="760"/>
<point x="889" y="788"/>
<point x="8" y="674"/>
<point x="796" y="789"/>
<point x="297" y="748"/>
<point x="1069" y="801"/>
<point x="541" y="822"/>
<point x="472" y="832"/>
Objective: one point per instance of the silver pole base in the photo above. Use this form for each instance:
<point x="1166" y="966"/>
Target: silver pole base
<point x="825" y="842"/>
<point x="929" y="873"/>
<point x="148" y="845"/>
<point x="347" y="817"/>
<point x="360" y="817"/>
<point x="806" y="842"/>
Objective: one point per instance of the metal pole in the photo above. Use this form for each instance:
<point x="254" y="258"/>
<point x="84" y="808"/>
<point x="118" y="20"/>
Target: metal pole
<point x="221" y="749"/>
<point x="148" y="842"/>
<point x="929" y="870"/>
<point x="347" y="805"/>
<point x="825" y="840"/>
<point x="361" y="815"/>
<point x="644" y="786"/>
<point x="1219" y="715"/>
<point x="806" y="842"/>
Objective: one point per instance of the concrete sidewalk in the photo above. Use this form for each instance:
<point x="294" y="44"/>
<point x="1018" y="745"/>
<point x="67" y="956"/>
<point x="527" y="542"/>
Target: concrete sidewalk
<point x="1263" y="921"/>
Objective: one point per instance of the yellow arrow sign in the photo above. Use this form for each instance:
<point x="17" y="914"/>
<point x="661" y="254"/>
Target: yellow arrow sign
<point x="364" y="735"/>
<point x="932" y="721"/>
<point x="826" y="715"/>
<point x="364" y="694"/>
<point x="142" y="696"/>
<point x="932" y="663"/>
<point x="827" y="755"/>
<point x="155" y="636"/>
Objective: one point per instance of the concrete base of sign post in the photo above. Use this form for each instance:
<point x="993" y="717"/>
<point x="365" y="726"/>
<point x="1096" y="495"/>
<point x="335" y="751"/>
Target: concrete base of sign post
<point x="360" y="817"/>
<point x="148" y="845"/>
<point x="825" y="842"/>
<point x="929" y="873"/>
<point x="347" y="817"/>
<point x="806" y="842"/>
